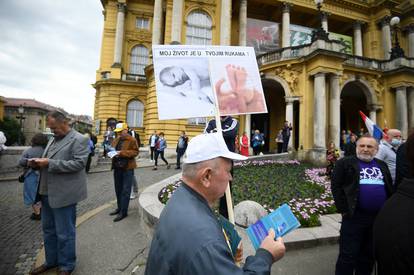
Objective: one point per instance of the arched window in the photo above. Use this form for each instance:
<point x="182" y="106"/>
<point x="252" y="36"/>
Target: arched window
<point x="139" y="59"/>
<point x="135" y="114"/>
<point x="199" y="28"/>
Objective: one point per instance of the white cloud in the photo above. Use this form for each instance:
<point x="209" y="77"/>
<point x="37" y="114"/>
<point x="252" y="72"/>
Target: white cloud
<point x="50" y="51"/>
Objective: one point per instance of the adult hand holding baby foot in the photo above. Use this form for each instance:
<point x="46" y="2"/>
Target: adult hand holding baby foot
<point x="239" y="99"/>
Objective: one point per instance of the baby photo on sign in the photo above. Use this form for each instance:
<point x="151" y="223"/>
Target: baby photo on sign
<point x="183" y="88"/>
<point x="238" y="89"/>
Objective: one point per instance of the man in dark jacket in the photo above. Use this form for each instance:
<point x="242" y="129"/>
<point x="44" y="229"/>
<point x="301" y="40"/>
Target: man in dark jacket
<point x="350" y="147"/>
<point x="360" y="186"/>
<point x="394" y="225"/>
<point x="402" y="166"/>
<point x="189" y="238"/>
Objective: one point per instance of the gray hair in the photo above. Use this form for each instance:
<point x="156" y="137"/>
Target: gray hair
<point x="58" y="116"/>
<point x="190" y="169"/>
<point x="368" y="136"/>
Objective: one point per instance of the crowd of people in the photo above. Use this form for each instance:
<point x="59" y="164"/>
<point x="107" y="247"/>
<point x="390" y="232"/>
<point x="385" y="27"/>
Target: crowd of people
<point x="372" y="184"/>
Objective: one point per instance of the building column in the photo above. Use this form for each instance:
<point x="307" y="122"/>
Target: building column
<point x="225" y="23"/>
<point x="157" y="23"/>
<point x="243" y="23"/>
<point x="286" y="25"/>
<point x="401" y="109"/>
<point x="325" y="21"/>
<point x="358" y="38"/>
<point x="410" y="96"/>
<point x="373" y="115"/>
<point x="319" y="112"/>
<point x="410" y="34"/>
<point x="386" y="36"/>
<point x="119" y="34"/>
<point x="177" y="20"/>
<point x="289" y="118"/>
<point x="334" y="110"/>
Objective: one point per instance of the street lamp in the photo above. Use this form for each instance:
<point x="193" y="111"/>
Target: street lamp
<point x="319" y="33"/>
<point x="396" y="51"/>
<point x="20" y="110"/>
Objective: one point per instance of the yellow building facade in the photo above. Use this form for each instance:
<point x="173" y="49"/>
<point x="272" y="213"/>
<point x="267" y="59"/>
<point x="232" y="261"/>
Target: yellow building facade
<point x="320" y="65"/>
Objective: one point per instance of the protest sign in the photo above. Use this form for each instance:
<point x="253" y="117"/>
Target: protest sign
<point x="185" y="75"/>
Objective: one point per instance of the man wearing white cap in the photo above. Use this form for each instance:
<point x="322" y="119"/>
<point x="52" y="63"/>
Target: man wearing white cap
<point x="189" y="238"/>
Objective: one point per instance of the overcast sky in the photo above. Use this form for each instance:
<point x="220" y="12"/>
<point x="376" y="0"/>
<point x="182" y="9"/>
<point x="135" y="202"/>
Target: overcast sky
<point x="49" y="51"/>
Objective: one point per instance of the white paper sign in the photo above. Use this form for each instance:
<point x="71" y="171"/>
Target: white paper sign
<point x="185" y="75"/>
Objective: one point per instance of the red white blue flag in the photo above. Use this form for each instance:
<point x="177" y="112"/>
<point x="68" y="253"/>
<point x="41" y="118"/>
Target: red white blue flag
<point x="373" y="129"/>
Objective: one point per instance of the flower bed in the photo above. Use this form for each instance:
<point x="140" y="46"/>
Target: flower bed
<point x="271" y="183"/>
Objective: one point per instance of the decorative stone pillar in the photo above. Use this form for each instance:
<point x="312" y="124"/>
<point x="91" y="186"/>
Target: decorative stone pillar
<point x="319" y="111"/>
<point x="401" y="109"/>
<point x="157" y="23"/>
<point x="410" y="96"/>
<point x="177" y="20"/>
<point x="334" y="110"/>
<point x="358" y="38"/>
<point x="410" y="34"/>
<point x="373" y="112"/>
<point x="289" y="118"/>
<point x="325" y="21"/>
<point x="225" y="22"/>
<point x="373" y="115"/>
<point x="119" y="34"/>
<point x="243" y="23"/>
<point x="286" y="25"/>
<point x="386" y="36"/>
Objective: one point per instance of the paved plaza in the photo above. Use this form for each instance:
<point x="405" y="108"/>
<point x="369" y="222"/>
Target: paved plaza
<point x="21" y="238"/>
<point x="105" y="247"/>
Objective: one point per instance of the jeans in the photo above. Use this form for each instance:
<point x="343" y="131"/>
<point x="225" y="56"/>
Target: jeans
<point x="180" y="153"/>
<point x="134" y="183"/>
<point x="59" y="234"/>
<point x="356" y="245"/>
<point x="123" y="183"/>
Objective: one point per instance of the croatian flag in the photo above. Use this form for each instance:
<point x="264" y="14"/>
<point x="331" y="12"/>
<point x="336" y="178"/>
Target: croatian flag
<point x="373" y="129"/>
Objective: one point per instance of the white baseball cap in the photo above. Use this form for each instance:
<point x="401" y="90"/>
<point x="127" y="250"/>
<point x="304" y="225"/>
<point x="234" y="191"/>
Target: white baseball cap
<point x="209" y="146"/>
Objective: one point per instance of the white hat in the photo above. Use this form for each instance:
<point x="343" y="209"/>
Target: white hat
<point x="209" y="146"/>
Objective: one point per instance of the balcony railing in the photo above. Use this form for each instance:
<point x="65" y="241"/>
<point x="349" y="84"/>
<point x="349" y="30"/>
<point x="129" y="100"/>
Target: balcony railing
<point x="134" y="77"/>
<point x="336" y="48"/>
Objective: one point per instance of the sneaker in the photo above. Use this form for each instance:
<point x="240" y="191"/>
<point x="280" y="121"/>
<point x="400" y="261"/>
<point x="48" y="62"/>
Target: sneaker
<point x="168" y="166"/>
<point x="177" y="168"/>
<point x="155" y="168"/>
<point x="133" y="196"/>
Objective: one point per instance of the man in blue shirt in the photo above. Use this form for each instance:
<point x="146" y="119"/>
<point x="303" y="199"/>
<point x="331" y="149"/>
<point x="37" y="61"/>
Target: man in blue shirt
<point x="360" y="186"/>
<point x="189" y="238"/>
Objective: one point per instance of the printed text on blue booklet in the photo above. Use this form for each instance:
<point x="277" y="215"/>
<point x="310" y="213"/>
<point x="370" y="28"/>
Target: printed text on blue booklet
<point x="281" y="220"/>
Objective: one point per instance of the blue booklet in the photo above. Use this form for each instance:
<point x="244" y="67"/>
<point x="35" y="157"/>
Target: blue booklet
<point x="281" y="220"/>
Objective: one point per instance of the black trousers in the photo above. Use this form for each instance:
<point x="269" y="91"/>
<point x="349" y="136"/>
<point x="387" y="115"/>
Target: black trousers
<point x="180" y="153"/>
<point x="159" y="153"/>
<point x="356" y="245"/>
<point x="223" y="204"/>
<point x="279" y="147"/>
<point x="152" y="152"/>
<point x="285" y="145"/>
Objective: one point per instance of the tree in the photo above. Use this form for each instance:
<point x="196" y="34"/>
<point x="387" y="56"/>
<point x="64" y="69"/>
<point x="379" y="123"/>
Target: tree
<point x="11" y="129"/>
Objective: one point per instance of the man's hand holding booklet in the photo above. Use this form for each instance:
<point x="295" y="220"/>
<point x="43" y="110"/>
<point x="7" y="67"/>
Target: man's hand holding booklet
<point x="281" y="220"/>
